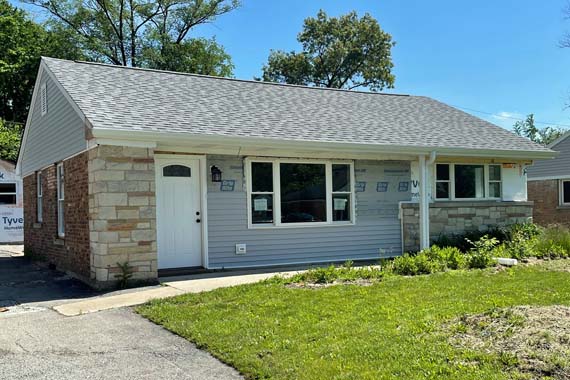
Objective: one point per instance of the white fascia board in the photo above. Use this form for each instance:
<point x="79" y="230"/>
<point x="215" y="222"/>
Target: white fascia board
<point x="180" y="138"/>
<point x="129" y="143"/>
<point x="29" y="118"/>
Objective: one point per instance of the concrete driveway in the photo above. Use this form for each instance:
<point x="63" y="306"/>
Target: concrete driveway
<point x="25" y="285"/>
<point x="38" y="343"/>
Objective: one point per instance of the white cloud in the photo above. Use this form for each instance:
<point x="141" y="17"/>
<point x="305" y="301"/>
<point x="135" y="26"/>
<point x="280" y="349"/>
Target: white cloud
<point x="504" y="115"/>
<point x="506" y="119"/>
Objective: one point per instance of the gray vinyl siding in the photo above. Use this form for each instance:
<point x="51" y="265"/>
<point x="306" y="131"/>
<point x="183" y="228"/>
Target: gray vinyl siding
<point x="54" y="136"/>
<point x="377" y="225"/>
<point x="556" y="167"/>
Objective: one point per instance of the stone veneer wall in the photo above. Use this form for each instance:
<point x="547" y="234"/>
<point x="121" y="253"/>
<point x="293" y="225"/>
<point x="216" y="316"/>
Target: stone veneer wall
<point x="122" y="213"/>
<point x="41" y="241"/>
<point x="447" y="218"/>
<point x="547" y="208"/>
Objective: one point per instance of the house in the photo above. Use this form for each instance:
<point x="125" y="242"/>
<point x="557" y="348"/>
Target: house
<point x="11" y="204"/>
<point x="549" y="185"/>
<point x="169" y="170"/>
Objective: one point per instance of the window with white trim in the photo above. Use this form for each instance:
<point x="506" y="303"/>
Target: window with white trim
<point x="442" y="183"/>
<point x="564" y="193"/>
<point x="8" y="195"/>
<point x="468" y="181"/>
<point x="286" y="192"/>
<point x="495" y="181"/>
<point x="261" y="192"/>
<point x="341" y="192"/>
<point x="60" y="200"/>
<point x="43" y="99"/>
<point x="40" y="201"/>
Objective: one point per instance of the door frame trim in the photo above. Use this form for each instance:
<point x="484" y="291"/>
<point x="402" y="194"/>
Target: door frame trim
<point x="203" y="199"/>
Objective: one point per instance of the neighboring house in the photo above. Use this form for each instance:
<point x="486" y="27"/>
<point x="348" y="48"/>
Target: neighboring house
<point x="170" y="170"/>
<point x="549" y="185"/>
<point x="11" y="204"/>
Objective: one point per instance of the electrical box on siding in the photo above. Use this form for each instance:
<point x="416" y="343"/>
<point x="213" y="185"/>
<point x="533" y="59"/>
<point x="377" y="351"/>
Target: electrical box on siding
<point x="241" y="249"/>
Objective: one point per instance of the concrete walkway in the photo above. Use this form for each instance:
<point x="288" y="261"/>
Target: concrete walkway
<point x="173" y="286"/>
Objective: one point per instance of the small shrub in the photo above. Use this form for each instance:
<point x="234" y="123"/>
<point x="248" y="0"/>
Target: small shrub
<point x="125" y="276"/>
<point x="405" y="265"/>
<point x="553" y="242"/>
<point x="447" y="257"/>
<point x="331" y="274"/>
<point x="481" y="254"/>
<point x="322" y="275"/>
<point x="526" y="231"/>
<point x="454" y="258"/>
<point x="425" y="265"/>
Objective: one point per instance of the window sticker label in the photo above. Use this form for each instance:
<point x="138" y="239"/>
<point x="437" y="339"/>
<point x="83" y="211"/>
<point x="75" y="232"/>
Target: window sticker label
<point x="260" y="204"/>
<point x="339" y="204"/>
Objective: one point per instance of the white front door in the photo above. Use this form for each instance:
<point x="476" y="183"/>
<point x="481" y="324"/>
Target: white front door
<point x="178" y="212"/>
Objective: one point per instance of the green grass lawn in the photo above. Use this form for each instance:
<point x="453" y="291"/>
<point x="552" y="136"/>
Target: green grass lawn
<point x="392" y="329"/>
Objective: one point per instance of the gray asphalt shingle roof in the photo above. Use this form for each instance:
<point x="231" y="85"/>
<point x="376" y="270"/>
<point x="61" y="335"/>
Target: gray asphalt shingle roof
<point x="119" y="98"/>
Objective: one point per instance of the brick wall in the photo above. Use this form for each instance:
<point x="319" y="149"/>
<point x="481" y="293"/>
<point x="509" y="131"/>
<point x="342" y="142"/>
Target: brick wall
<point x="122" y="213"/>
<point x="71" y="253"/>
<point x="547" y="209"/>
<point x="448" y="218"/>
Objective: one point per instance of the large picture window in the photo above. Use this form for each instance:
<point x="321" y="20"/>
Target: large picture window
<point x="468" y="181"/>
<point x="295" y="192"/>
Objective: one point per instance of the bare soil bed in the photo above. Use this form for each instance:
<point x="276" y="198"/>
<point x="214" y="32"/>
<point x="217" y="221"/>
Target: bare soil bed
<point x="533" y="341"/>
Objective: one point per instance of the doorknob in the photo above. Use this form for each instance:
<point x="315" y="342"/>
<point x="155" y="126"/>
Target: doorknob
<point x="197" y="220"/>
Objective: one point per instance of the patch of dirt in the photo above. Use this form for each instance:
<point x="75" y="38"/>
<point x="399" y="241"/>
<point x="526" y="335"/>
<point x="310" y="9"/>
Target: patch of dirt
<point x="312" y="285"/>
<point x="532" y="340"/>
<point x="558" y="265"/>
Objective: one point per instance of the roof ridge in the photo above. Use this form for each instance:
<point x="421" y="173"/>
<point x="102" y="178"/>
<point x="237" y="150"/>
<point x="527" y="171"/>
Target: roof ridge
<point x="226" y="78"/>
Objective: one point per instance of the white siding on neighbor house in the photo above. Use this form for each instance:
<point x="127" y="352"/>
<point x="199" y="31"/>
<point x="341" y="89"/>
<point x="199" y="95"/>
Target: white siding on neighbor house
<point x="377" y="225"/>
<point x="54" y="136"/>
<point x="558" y="167"/>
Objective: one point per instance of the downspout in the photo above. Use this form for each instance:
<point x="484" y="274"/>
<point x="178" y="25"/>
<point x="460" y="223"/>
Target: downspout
<point x="432" y="157"/>
<point x="424" y="200"/>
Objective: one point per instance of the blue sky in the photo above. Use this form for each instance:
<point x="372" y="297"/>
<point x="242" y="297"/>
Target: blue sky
<point x="500" y="57"/>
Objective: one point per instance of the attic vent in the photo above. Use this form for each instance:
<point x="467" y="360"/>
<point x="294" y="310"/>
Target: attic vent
<point x="43" y="96"/>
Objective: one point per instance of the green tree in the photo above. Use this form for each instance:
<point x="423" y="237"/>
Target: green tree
<point x="197" y="55"/>
<point x="340" y="52"/>
<point x="10" y="136"/>
<point x="142" y="33"/>
<point x="544" y="136"/>
<point x="23" y="42"/>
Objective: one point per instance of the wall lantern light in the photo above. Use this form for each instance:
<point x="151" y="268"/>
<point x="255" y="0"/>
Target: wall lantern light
<point x="216" y="174"/>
